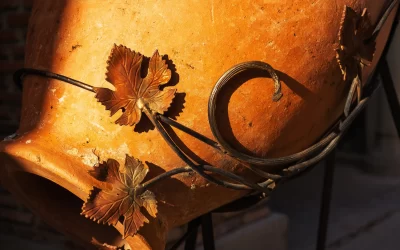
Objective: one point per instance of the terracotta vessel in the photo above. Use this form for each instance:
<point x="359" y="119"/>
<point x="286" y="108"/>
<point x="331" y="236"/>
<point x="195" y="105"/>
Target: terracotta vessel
<point x="64" y="131"/>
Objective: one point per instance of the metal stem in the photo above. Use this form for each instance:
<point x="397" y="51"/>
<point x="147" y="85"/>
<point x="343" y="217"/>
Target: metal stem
<point x="164" y="175"/>
<point x="21" y="73"/>
<point x="189" y="131"/>
<point x="200" y="169"/>
<point x="382" y="20"/>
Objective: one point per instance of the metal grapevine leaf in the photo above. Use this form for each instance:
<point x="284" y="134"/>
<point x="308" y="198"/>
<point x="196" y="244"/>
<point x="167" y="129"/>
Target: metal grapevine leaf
<point x="132" y="92"/>
<point x="353" y="52"/>
<point x="125" y="198"/>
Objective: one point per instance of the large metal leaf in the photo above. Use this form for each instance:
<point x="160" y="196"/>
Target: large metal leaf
<point x="123" y="198"/>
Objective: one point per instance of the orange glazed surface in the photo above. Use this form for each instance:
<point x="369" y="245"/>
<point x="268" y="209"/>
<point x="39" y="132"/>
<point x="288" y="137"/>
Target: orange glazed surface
<point x="64" y="131"/>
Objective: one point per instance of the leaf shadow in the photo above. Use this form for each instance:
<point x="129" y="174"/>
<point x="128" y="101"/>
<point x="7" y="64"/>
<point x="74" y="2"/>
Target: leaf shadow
<point x="178" y="102"/>
<point x="174" y="75"/>
<point x="144" y="125"/>
<point x="154" y="170"/>
<point x="298" y="88"/>
<point x="182" y="146"/>
<point x="168" y="186"/>
<point x="177" y="106"/>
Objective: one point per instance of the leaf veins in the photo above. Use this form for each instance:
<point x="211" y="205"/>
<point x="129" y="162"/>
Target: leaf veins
<point x="353" y="52"/>
<point x="123" y="199"/>
<point x="132" y="92"/>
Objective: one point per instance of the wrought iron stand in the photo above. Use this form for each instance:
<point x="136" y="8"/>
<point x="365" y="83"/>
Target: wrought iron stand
<point x="292" y="165"/>
<point x="388" y="85"/>
<point x="205" y="221"/>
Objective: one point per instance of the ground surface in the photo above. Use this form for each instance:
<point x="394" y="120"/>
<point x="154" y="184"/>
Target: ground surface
<point x="365" y="210"/>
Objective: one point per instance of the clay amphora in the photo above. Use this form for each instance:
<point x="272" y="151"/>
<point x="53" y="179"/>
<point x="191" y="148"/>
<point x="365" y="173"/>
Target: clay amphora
<point x="64" y="131"/>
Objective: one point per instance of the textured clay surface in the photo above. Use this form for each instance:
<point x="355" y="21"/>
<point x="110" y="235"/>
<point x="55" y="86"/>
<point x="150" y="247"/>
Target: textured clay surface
<point x="64" y="130"/>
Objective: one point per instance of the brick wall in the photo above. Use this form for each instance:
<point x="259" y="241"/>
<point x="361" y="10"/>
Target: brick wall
<point x="13" y="26"/>
<point x="18" y="224"/>
<point x="14" y="17"/>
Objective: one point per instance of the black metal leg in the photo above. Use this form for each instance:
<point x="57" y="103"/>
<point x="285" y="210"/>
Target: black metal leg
<point x="208" y="232"/>
<point x="191" y="237"/>
<point x="390" y="91"/>
<point x="325" y="201"/>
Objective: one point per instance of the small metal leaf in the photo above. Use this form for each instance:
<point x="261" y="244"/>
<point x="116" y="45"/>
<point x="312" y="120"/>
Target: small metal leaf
<point x="353" y="52"/>
<point x="131" y="90"/>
